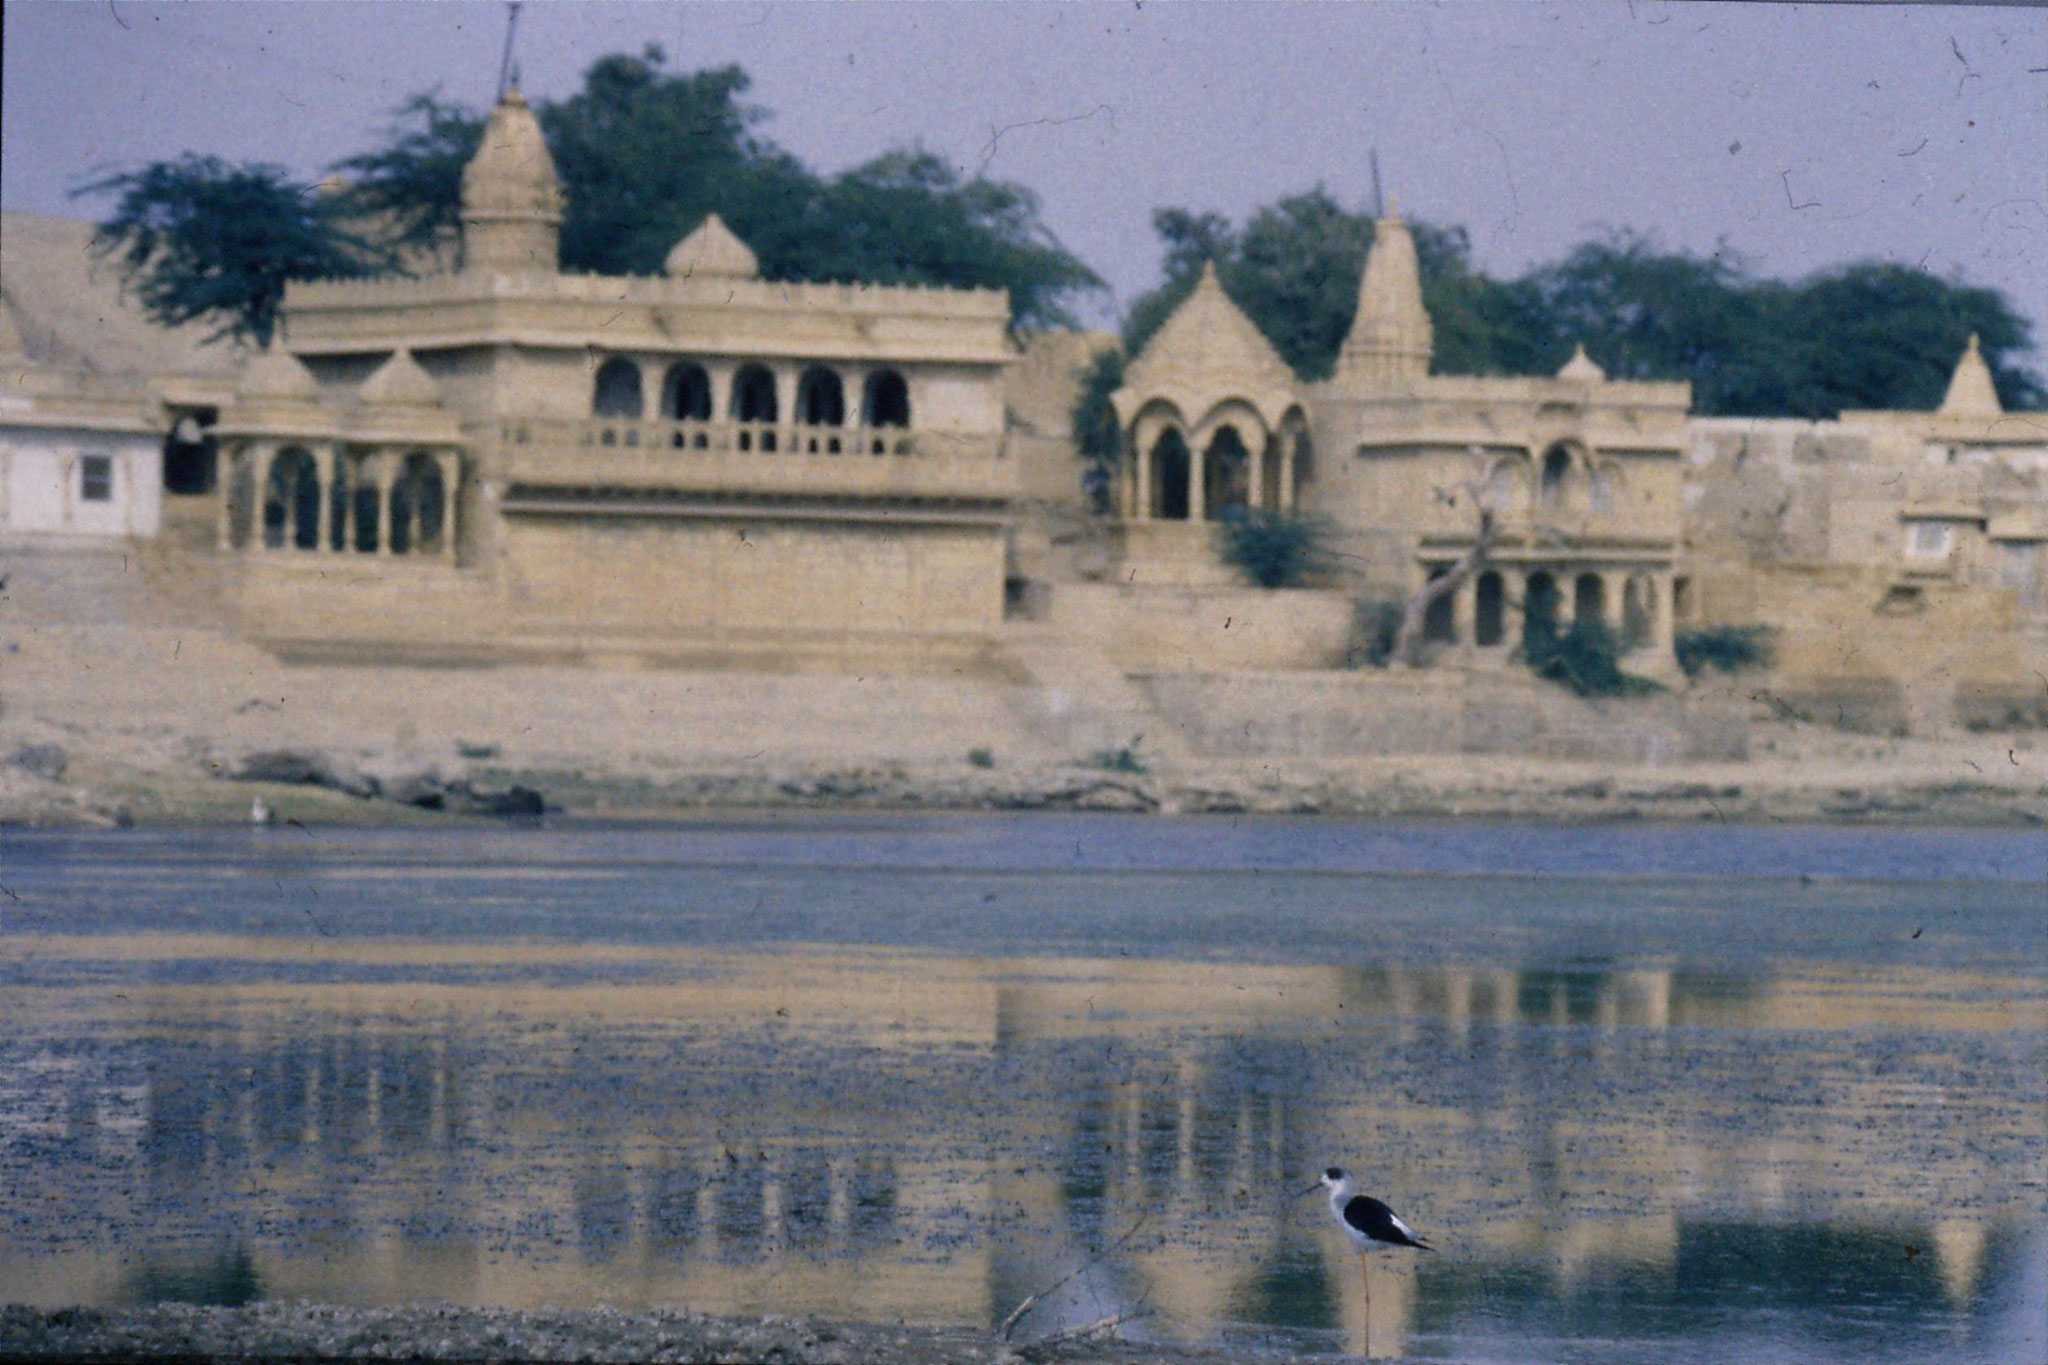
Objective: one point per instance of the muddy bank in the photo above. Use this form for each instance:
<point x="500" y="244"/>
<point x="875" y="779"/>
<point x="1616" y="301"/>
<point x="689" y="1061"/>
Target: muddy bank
<point x="307" y="1331"/>
<point x="48" y="787"/>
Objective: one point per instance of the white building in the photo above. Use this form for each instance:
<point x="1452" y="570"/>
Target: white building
<point x="81" y="452"/>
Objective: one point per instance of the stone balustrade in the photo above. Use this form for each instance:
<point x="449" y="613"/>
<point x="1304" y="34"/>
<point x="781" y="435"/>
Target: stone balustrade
<point x="781" y="459"/>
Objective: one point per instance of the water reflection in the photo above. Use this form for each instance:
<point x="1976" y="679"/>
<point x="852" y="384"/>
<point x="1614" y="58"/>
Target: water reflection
<point x="1849" y="1161"/>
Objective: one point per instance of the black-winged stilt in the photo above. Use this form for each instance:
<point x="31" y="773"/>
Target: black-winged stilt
<point x="1365" y="1220"/>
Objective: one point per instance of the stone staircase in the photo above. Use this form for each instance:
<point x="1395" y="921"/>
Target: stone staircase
<point x="1084" y="704"/>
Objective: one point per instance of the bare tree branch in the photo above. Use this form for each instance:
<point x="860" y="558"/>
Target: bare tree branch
<point x="1416" y="612"/>
<point x="1031" y="1301"/>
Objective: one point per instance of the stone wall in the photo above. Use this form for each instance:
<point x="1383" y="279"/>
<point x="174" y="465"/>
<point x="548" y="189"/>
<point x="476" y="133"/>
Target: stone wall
<point x="775" y="593"/>
<point x="1372" y="713"/>
<point x="1171" y="629"/>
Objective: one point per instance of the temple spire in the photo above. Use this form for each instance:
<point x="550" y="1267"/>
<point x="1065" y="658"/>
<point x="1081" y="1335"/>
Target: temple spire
<point x="511" y="197"/>
<point x="1391" y="339"/>
<point x="1970" y="390"/>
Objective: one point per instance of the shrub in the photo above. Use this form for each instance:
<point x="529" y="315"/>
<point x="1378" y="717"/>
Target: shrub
<point x="1586" y="658"/>
<point x="1122" y="759"/>
<point x="1374" y="625"/>
<point x="1272" y="549"/>
<point x="982" y="758"/>
<point x="1728" y="649"/>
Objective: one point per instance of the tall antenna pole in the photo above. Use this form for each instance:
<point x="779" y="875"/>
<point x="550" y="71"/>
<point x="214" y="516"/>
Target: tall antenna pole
<point x="1379" y="204"/>
<point x="505" y="63"/>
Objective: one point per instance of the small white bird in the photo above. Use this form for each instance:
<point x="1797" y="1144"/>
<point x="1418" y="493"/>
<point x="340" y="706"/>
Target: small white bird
<point x="1365" y="1220"/>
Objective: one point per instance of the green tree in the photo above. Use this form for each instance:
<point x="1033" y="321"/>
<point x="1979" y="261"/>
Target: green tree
<point x="1866" y="335"/>
<point x="907" y="217"/>
<point x="411" y="186"/>
<point x="200" y="240"/>
<point x="644" y="154"/>
<point x="1869" y="335"/>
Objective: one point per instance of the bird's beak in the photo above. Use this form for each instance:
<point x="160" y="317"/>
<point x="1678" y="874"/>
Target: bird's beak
<point x="1310" y="1190"/>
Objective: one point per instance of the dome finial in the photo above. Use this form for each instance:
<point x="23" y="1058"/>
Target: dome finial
<point x="713" y="251"/>
<point x="1581" y="367"/>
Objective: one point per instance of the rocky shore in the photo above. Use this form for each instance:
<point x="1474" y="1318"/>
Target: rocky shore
<point x="47" y="785"/>
<point x="306" y="1331"/>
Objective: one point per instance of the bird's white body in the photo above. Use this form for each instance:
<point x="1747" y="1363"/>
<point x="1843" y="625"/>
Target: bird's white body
<point x="1365" y="1220"/>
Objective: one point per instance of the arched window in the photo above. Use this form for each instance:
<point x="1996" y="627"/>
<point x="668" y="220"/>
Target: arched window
<point x="1489" y="617"/>
<point x="1557" y="468"/>
<point x="369" y="508"/>
<point x="753" y="395"/>
<point x="753" y="400"/>
<point x="1539" y="606"/>
<point x="1304" y="466"/>
<point x="820" y="399"/>
<point x="419" y="505"/>
<point x="1440" y="620"/>
<point x="616" y="392"/>
<point x="1589" y="599"/>
<point x="291" y="505"/>
<point x="686" y="393"/>
<point x="885" y="400"/>
<point x="1170" y="477"/>
<point x="189" y="457"/>
<point x="1226" y="474"/>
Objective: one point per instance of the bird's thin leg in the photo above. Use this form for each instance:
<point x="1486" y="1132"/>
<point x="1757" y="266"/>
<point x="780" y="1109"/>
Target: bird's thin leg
<point x="1365" y="1269"/>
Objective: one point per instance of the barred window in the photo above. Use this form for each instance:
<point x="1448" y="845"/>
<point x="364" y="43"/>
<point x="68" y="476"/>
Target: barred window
<point x="96" y="478"/>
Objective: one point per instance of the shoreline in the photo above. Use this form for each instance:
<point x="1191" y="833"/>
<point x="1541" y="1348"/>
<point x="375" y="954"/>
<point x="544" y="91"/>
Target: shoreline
<point x="309" y="1331"/>
<point x="324" y="790"/>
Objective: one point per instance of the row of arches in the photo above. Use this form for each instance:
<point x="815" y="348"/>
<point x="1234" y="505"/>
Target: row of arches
<point x="364" y="502"/>
<point x="753" y="395"/>
<point x="1175" y="483"/>
<point x="1547" y="601"/>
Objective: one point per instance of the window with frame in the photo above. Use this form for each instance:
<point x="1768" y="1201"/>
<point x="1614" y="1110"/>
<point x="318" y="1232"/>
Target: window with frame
<point x="1929" y="539"/>
<point x="96" y="478"/>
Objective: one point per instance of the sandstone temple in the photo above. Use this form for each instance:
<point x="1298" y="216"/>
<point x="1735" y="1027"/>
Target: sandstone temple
<point x="494" y="462"/>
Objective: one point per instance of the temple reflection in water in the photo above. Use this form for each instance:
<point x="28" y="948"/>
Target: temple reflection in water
<point x="881" y="1135"/>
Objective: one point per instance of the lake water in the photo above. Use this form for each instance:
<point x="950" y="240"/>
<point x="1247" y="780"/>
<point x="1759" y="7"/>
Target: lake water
<point x="1702" y="1094"/>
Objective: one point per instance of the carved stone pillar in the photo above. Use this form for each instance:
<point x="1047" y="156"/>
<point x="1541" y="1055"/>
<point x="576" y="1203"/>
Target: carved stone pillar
<point x="325" y="459"/>
<point x="1143" y="485"/>
<point x="785" y="394"/>
<point x="385" y="474"/>
<point x="1198" y="485"/>
<point x="1286" y="453"/>
<point x="224" y="486"/>
<point x="262" y="456"/>
<point x="450" y="464"/>
<point x="1255" y="495"/>
<point x="719" y="374"/>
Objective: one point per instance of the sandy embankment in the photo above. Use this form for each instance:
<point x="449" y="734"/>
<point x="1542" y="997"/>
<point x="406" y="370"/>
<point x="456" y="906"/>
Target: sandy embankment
<point x="160" y="726"/>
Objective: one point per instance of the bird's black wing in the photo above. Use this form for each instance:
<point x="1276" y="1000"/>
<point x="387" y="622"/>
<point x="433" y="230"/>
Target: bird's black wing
<point x="1375" y="1220"/>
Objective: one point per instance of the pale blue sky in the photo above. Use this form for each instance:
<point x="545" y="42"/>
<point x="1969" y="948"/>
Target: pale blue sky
<point x="1802" y="136"/>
